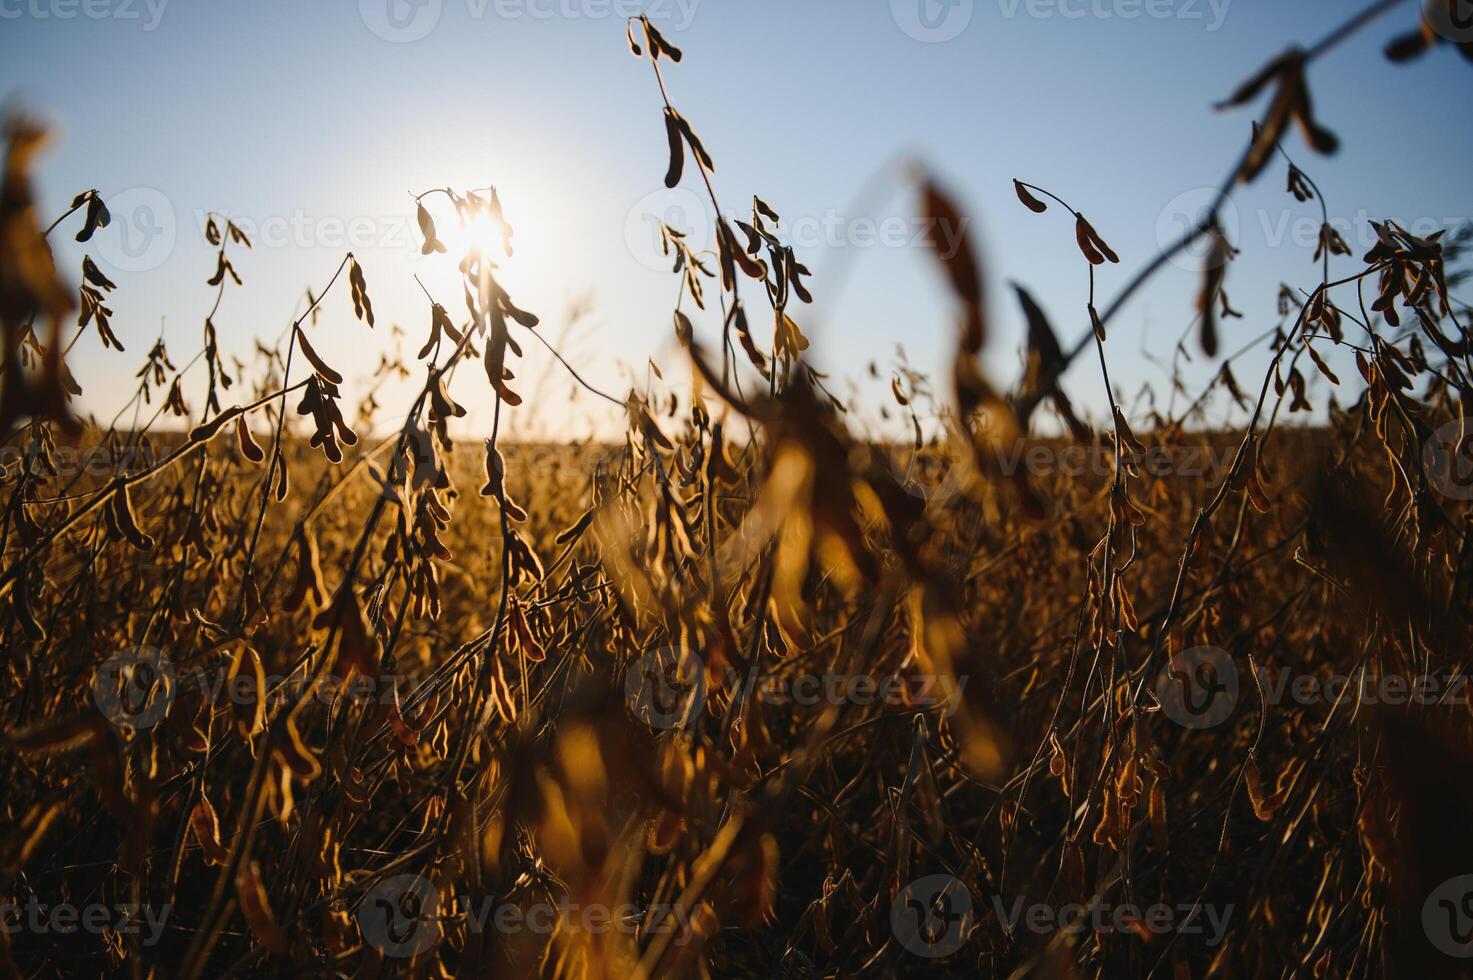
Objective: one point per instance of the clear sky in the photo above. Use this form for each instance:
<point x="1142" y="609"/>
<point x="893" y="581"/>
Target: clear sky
<point x="311" y="121"/>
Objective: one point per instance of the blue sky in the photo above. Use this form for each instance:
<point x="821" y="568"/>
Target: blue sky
<point x="311" y="121"/>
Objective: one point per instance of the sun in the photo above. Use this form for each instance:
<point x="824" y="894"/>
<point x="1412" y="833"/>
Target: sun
<point x="481" y="232"/>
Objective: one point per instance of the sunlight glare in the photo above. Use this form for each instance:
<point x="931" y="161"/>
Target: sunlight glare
<point x="479" y="231"/>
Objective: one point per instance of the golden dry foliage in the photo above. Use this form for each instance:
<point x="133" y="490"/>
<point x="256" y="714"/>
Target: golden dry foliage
<point x="717" y="700"/>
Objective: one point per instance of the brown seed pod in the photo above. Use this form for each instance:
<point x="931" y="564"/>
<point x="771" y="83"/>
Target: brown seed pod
<point x="677" y="148"/>
<point x="357" y="646"/>
<point x="293" y="753"/>
<point x="1029" y="201"/>
<point x="206" y="827"/>
<point x="575" y="530"/>
<point x="427" y="229"/>
<point x="206" y="431"/>
<point x="247" y="681"/>
<point x="255" y="908"/>
<point x="362" y="306"/>
<point x="1090" y="242"/>
<point x="120" y="507"/>
<point x="247" y="444"/>
<point x="318" y="364"/>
